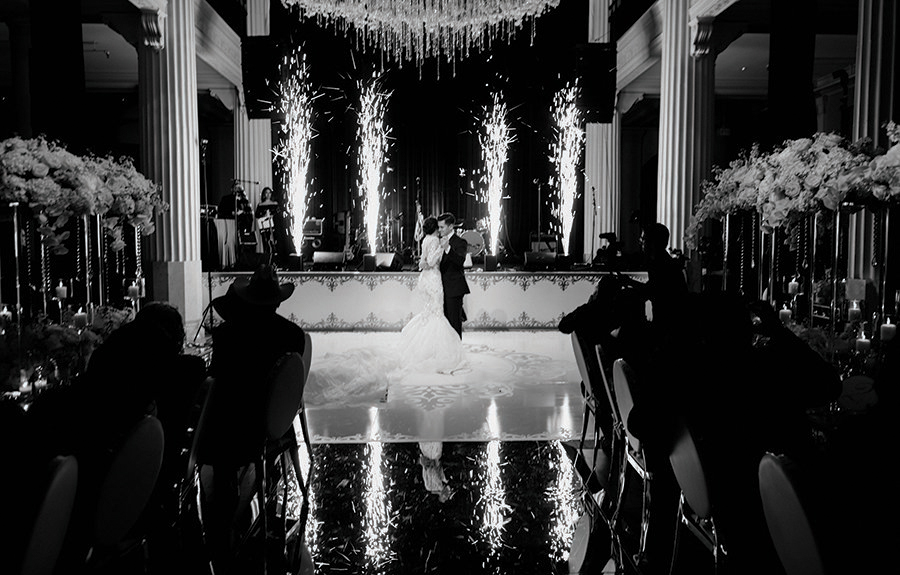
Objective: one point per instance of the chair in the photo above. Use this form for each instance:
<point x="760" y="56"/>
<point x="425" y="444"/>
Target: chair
<point x="125" y="490"/>
<point x="790" y="525"/>
<point x="51" y="522"/>
<point x="623" y="384"/>
<point x="589" y="371"/>
<point x="695" y="510"/>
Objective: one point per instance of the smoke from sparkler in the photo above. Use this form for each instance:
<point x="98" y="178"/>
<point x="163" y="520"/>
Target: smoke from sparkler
<point x="565" y="154"/>
<point x="494" y="140"/>
<point x="373" y="145"/>
<point x="296" y="107"/>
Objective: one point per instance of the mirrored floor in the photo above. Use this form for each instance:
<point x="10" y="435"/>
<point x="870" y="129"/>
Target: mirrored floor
<point x="458" y="507"/>
<point x="521" y="385"/>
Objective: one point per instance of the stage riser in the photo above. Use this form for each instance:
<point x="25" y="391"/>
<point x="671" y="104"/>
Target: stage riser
<point x="385" y="301"/>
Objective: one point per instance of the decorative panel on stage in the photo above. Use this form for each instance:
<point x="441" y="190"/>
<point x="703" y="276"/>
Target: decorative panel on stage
<point x="385" y="301"/>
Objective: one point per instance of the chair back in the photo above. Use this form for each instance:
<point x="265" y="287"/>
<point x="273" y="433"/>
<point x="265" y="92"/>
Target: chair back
<point x="789" y="524"/>
<point x="286" y="382"/>
<point x="608" y="389"/>
<point x="48" y="532"/>
<point x="623" y="384"/>
<point x="129" y="482"/>
<point x="307" y="355"/>
<point x="587" y="372"/>
<point x="688" y="470"/>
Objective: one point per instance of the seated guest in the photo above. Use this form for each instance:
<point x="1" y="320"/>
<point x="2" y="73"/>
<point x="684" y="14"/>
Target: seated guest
<point x="246" y="347"/>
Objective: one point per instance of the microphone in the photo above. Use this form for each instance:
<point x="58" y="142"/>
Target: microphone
<point x="245" y="181"/>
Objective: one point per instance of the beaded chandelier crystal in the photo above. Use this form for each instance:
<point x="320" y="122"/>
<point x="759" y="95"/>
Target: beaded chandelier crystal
<point x="412" y="30"/>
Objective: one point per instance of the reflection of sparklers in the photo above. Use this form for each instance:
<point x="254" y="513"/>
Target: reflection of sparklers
<point x="494" y="140"/>
<point x="494" y="498"/>
<point x="378" y="509"/>
<point x="565" y="509"/>
<point x="565" y="153"/>
<point x="373" y="135"/>
<point x="296" y="107"/>
<point x="310" y="536"/>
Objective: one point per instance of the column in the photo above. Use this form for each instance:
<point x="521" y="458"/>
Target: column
<point x="170" y="155"/>
<point x="675" y="196"/>
<point x="875" y="102"/>
<point x="601" y="156"/>
<point x="253" y="138"/>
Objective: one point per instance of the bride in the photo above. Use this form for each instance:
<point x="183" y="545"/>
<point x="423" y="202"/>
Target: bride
<point x="427" y="344"/>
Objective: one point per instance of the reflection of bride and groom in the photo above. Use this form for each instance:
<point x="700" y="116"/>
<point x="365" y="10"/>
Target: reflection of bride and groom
<point x="431" y="342"/>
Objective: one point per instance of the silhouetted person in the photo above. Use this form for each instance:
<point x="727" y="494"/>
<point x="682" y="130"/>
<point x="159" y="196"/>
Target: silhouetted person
<point x="666" y="284"/>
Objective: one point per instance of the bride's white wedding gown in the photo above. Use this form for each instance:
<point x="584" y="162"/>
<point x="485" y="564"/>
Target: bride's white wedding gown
<point x="427" y="344"/>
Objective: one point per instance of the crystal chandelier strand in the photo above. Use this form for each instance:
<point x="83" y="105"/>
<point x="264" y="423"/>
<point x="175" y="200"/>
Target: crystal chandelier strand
<point x="412" y="30"/>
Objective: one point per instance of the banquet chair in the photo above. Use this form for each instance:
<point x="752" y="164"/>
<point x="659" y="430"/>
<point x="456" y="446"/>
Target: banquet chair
<point x="633" y="452"/>
<point x="51" y="520"/>
<point x="124" y="492"/>
<point x="283" y="404"/>
<point x="589" y="370"/>
<point x="695" y="509"/>
<point x="788" y="519"/>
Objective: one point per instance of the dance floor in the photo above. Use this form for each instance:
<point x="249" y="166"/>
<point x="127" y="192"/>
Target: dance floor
<point x="518" y="385"/>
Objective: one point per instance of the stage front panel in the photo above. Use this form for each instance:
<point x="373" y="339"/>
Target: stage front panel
<point x="385" y="301"/>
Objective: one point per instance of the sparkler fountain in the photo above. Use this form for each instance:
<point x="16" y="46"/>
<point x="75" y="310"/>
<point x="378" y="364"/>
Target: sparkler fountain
<point x="373" y="135"/>
<point x="494" y="140"/>
<point x="296" y="108"/>
<point x="565" y="154"/>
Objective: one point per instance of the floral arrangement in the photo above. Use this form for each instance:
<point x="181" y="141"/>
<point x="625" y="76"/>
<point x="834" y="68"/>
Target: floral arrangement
<point x="59" y="185"/>
<point x="800" y="177"/>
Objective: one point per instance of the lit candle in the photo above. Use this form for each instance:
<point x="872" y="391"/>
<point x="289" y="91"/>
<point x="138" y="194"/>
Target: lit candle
<point x="785" y="315"/>
<point x="80" y="319"/>
<point x="863" y="345"/>
<point x="5" y="314"/>
<point x="856" y="289"/>
<point x="62" y="292"/>
<point x="854" y="313"/>
<point x="888" y="330"/>
<point x="24" y="384"/>
<point x="793" y="287"/>
<point x="134" y="292"/>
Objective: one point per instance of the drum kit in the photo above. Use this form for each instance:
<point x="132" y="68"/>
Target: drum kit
<point x="475" y="237"/>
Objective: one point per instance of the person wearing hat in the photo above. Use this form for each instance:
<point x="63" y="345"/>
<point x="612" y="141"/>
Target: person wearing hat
<point x="246" y="346"/>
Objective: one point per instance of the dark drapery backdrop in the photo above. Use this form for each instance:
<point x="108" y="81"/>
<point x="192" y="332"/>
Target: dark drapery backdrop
<point x="435" y="155"/>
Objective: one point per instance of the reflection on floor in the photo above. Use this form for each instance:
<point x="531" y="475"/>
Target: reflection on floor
<point x="496" y="507"/>
<point x="517" y="386"/>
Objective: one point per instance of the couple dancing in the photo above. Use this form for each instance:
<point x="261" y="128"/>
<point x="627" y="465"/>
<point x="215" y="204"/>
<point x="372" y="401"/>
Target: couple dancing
<point x="431" y="342"/>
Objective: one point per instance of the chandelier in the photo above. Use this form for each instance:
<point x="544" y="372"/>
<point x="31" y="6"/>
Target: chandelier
<point x="412" y="30"/>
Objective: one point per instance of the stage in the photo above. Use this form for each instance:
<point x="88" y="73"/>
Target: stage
<point x="385" y="301"/>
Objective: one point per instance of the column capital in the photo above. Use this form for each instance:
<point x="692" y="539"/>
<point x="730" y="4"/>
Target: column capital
<point x="153" y="27"/>
<point x="702" y="36"/>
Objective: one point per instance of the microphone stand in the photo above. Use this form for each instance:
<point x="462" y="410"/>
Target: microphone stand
<point x="203" y="143"/>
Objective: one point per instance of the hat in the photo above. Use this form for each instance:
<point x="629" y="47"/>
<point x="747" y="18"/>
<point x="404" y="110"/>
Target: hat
<point x="262" y="289"/>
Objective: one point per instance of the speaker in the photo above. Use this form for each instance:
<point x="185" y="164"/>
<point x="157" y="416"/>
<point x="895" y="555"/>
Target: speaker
<point x="490" y="263"/>
<point x="328" y="261"/>
<point x="260" y="58"/>
<point x="388" y="262"/>
<point x="539" y="261"/>
<point x="595" y="67"/>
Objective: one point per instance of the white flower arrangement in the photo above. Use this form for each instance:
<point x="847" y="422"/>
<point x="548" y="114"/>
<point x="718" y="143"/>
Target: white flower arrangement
<point x="59" y="185"/>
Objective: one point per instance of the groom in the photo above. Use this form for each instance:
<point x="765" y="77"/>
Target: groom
<point x="455" y="286"/>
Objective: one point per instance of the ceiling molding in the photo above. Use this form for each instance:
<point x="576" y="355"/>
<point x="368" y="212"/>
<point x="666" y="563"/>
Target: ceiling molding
<point x="708" y="8"/>
<point x="217" y="43"/>
<point x="640" y="47"/>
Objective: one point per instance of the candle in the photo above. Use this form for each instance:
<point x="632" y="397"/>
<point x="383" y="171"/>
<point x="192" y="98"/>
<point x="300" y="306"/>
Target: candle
<point x="854" y="313"/>
<point x="80" y="319"/>
<point x="134" y="292"/>
<point x="793" y="288"/>
<point x="24" y="384"/>
<point x="856" y="289"/>
<point x="62" y="292"/>
<point x="785" y="315"/>
<point x="863" y="345"/>
<point x="888" y="330"/>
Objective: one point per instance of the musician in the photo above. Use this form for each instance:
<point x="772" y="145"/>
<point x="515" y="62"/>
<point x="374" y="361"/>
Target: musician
<point x="231" y="203"/>
<point x="266" y="212"/>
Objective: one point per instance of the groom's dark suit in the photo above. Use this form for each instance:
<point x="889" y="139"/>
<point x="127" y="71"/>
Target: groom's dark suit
<point x="454" y="281"/>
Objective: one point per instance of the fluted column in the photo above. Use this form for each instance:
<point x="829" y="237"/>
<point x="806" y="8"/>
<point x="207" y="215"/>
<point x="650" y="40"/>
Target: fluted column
<point x="253" y="138"/>
<point x="675" y="196"/>
<point x="167" y="79"/>
<point x="601" y="156"/>
<point x="875" y="103"/>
